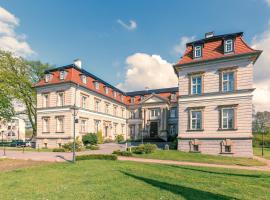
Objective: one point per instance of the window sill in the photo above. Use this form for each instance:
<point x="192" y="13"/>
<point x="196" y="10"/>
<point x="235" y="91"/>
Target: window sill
<point x="198" y="130"/>
<point x="231" y="129"/>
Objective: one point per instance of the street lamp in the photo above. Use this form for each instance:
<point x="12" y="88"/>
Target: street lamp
<point x="4" y="147"/>
<point x="263" y="132"/>
<point x="74" y="125"/>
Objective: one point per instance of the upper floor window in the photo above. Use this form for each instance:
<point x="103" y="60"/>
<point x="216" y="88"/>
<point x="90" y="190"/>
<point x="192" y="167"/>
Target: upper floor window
<point x="115" y="110"/>
<point x="107" y="108"/>
<point x="114" y="94"/>
<point x="132" y="114"/>
<point x="83" y="126"/>
<point x="62" y="75"/>
<point x="197" y="51"/>
<point x="132" y="100"/>
<point x="227" y="121"/>
<point x="59" y="124"/>
<point x="195" y="119"/>
<point x="97" y="105"/>
<point x="228" y="46"/>
<point x="172" y="129"/>
<point x="83" y="78"/>
<point x="83" y="101"/>
<point x="106" y="90"/>
<point x="196" y="85"/>
<point x="155" y="112"/>
<point x="96" y="85"/>
<point x="173" y="112"/>
<point x="60" y="99"/>
<point x="45" y="124"/>
<point x="228" y="81"/>
<point x="122" y="112"/>
<point x="45" y="100"/>
<point x="47" y="77"/>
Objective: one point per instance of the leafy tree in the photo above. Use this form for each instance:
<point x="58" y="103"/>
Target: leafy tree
<point x="6" y="107"/>
<point x="17" y="77"/>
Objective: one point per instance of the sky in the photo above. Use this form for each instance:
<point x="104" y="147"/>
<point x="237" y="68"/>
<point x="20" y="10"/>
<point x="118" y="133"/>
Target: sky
<point x="132" y="44"/>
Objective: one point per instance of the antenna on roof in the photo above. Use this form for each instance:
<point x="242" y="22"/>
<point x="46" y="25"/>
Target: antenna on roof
<point x="209" y="34"/>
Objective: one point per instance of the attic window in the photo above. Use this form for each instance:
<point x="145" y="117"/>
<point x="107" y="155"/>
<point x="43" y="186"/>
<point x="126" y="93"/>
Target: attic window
<point x="114" y="94"/>
<point x="83" y="78"/>
<point x="106" y="90"/>
<point x="142" y="98"/>
<point x="122" y="98"/>
<point x="62" y="75"/>
<point x="228" y="46"/>
<point x="197" y="51"/>
<point x="132" y="100"/>
<point x="96" y="85"/>
<point x="47" y="77"/>
<point x="173" y="96"/>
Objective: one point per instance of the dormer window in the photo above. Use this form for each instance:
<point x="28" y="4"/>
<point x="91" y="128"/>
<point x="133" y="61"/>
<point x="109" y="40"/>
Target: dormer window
<point x="132" y="100"/>
<point x="197" y="51"/>
<point x="62" y="75"/>
<point x="114" y="94"/>
<point x="96" y="85"/>
<point x="142" y="98"/>
<point x="83" y="78"/>
<point x="122" y="98"/>
<point x="106" y="90"/>
<point x="228" y="46"/>
<point x="47" y="77"/>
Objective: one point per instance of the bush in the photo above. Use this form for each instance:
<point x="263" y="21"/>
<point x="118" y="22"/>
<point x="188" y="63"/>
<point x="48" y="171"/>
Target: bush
<point x="120" y="138"/>
<point x="122" y="153"/>
<point x="144" y="148"/>
<point x="90" y="138"/>
<point x="69" y="146"/>
<point x="108" y="140"/>
<point x="92" y="147"/>
<point x="58" y="150"/>
<point x="97" y="157"/>
<point x="99" y="137"/>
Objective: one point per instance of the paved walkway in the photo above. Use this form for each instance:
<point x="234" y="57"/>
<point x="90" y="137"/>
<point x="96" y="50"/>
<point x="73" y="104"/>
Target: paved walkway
<point x="183" y="163"/>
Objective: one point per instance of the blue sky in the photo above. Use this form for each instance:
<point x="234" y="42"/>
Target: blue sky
<point x="60" y="31"/>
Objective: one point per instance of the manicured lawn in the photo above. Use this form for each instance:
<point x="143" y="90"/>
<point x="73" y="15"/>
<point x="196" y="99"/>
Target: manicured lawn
<point x="197" y="157"/>
<point x="258" y="152"/>
<point x="96" y="179"/>
<point x="9" y="165"/>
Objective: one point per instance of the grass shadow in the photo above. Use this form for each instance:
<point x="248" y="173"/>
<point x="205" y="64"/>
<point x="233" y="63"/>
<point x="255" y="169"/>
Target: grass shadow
<point x="62" y="157"/>
<point x="186" y="192"/>
<point x="219" y="173"/>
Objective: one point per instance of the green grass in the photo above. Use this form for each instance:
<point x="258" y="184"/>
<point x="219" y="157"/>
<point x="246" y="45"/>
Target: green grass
<point x="258" y="152"/>
<point x="201" y="158"/>
<point x="96" y="179"/>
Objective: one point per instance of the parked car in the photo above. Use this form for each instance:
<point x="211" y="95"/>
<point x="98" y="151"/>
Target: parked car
<point x="18" y="143"/>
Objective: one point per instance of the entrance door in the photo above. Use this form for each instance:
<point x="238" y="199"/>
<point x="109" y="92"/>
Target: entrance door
<point x="153" y="129"/>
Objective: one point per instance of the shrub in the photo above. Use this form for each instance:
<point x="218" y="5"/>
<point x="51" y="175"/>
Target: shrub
<point x="97" y="157"/>
<point x="90" y="138"/>
<point x="58" y="150"/>
<point x="144" y="148"/>
<point x="122" y="153"/>
<point x="119" y="138"/>
<point x="69" y="146"/>
<point x="138" y="150"/>
<point x="92" y="147"/>
<point x="99" y="137"/>
<point x="108" y="140"/>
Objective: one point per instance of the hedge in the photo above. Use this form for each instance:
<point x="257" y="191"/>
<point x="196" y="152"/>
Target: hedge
<point x="97" y="157"/>
<point x="122" y="153"/>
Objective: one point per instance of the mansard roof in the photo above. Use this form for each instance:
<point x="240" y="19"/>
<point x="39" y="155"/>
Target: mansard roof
<point x="213" y="48"/>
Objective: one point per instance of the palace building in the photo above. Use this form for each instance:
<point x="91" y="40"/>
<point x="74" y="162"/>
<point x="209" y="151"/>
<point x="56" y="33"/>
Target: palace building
<point x="210" y="111"/>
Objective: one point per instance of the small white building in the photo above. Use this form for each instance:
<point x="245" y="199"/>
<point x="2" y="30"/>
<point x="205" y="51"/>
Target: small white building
<point x="12" y="130"/>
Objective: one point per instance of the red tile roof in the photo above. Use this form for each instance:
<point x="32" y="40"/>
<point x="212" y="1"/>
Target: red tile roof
<point x="213" y="48"/>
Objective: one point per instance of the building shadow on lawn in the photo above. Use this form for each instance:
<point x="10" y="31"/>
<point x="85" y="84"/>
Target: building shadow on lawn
<point x="186" y="192"/>
<point x="62" y="157"/>
<point x="220" y="173"/>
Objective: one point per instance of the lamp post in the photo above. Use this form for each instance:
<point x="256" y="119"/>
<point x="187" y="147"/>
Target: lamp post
<point x="263" y="131"/>
<point x="74" y="126"/>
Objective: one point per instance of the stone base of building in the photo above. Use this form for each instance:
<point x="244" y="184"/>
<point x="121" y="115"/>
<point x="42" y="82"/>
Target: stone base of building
<point x="238" y="147"/>
<point x="51" y="143"/>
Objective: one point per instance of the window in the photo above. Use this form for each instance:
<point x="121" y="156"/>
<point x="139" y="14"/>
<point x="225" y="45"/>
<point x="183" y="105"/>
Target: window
<point x="62" y="75"/>
<point x="83" y="101"/>
<point x="45" y="124"/>
<point x="45" y="100"/>
<point x="47" y="77"/>
<point x="155" y="112"/>
<point x="142" y="98"/>
<point x="97" y="105"/>
<point x="115" y="128"/>
<point x="122" y="128"/>
<point x="195" y="148"/>
<point x="83" y="127"/>
<point x="60" y="99"/>
<point x="115" y="110"/>
<point x="106" y="90"/>
<point x="59" y="124"/>
<point x="122" y="112"/>
<point x="173" y="113"/>
<point x="227" y="149"/>
<point x="196" y="85"/>
<point x="228" y="47"/>
<point x="132" y="100"/>
<point x="122" y="98"/>
<point x="198" y="51"/>
<point x="96" y="85"/>
<point x="172" y="129"/>
<point x="107" y="108"/>
<point x="195" y="119"/>
<point x="96" y="122"/>
<point x="132" y="115"/>
<point x="83" y="78"/>
<point x="227" y="118"/>
<point x="173" y="97"/>
<point x="228" y="81"/>
<point x="114" y="94"/>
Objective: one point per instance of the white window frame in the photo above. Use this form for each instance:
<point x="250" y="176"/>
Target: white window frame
<point x="227" y="81"/>
<point x="196" y="84"/>
<point x="60" y="100"/>
<point x="115" y="128"/>
<point x="84" y="79"/>
<point x="83" y="125"/>
<point x="96" y="85"/>
<point x="46" y="100"/>
<point x="62" y="75"/>
<point x="107" y="108"/>
<point x="227" y="118"/>
<point x="132" y="100"/>
<point x="114" y="94"/>
<point x="198" y="51"/>
<point x="46" y="124"/>
<point x="83" y="101"/>
<point x="47" y="78"/>
<point x="228" y="43"/>
<point x="155" y="112"/>
<point x="115" y="110"/>
<point x="106" y="90"/>
<point x="97" y="105"/>
<point x="59" y="124"/>
<point x="196" y="120"/>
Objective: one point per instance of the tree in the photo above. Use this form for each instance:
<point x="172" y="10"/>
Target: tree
<point x="17" y="77"/>
<point x="6" y="107"/>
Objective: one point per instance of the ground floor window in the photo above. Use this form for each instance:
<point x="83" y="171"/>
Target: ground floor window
<point x="228" y="149"/>
<point x="195" y="148"/>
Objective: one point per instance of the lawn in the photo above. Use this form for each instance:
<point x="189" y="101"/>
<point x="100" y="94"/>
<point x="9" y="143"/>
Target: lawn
<point x="197" y="157"/>
<point x="9" y="165"/>
<point x="258" y="152"/>
<point x="96" y="179"/>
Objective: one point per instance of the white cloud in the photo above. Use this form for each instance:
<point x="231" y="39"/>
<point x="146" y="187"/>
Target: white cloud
<point x="180" y="48"/>
<point x="9" y="39"/>
<point x="150" y="71"/>
<point x="132" y="25"/>
<point x="268" y="2"/>
<point x="262" y="71"/>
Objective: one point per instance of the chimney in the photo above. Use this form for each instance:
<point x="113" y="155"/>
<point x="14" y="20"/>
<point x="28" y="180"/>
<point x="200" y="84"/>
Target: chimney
<point x="78" y="63"/>
<point x="209" y="34"/>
